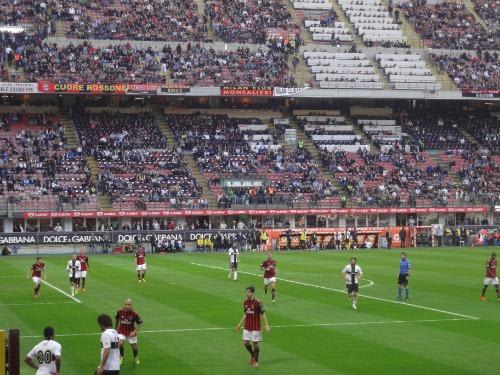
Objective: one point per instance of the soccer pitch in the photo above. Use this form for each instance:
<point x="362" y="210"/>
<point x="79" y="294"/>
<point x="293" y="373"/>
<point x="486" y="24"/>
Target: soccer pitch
<point x="190" y="310"/>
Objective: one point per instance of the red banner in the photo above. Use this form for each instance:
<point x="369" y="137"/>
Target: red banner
<point x="96" y="88"/>
<point x="246" y="91"/>
<point x="226" y="212"/>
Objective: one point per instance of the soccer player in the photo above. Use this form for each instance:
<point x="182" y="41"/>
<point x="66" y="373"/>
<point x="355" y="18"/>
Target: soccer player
<point x="253" y="310"/>
<point x="234" y="258"/>
<point x="110" y="353"/>
<point x="73" y="268"/>
<point x="140" y="264"/>
<point x="84" y="267"/>
<point x="269" y="268"/>
<point x="404" y="274"/>
<point x="37" y="270"/>
<point x="352" y="274"/>
<point x="45" y="357"/>
<point x="128" y="323"/>
<point x="491" y="276"/>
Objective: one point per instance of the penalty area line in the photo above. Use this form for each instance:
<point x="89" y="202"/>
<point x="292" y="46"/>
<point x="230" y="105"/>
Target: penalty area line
<point x="208" y="329"/>
<point x="61" y="291"/>
<point x="35" y="303"/>
<point x="343" y="292"/>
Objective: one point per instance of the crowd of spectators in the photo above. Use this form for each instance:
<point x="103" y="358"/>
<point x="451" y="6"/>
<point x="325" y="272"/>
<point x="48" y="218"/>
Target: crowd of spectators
<point x="436" y="131"/>
<point x="157" y="20"/>
<point x="137" y="169"/>
<point x="196" y="65"/>
<point x="39" y="168"/>
<point x="86" y="63"/>
<point x="38" y="16"/>
<point x="471" y="72"/>
<point x="249" y="21"/>
<point x="221" y="151"/>
<point x="479" y="173"/>
<point x="448" y="24"/>
<point x="489" y="11"/>
<point x="389" y="178"/>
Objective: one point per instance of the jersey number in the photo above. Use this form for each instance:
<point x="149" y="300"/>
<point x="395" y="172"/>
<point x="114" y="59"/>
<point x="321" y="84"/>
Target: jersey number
<point x="44" y="357"/>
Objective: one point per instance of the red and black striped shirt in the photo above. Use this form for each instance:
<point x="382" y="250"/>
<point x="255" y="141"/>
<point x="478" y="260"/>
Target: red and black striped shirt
<point x="253" y="309"/>
<point x="84" y="261"/>
<point x="127" y="319"/>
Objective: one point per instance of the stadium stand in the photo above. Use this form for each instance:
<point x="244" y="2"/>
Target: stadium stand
<point x="488" y="10"/>
<point x="447" y="24"/>
<point x="374" y="23"/>
<point x="245" y="164"/>
<point x="137" y="170"/>
<point x="250" y="21"/>
<point x="39" y="170"/>
<point x="342" y="70"/>
<point x="148" y="20"/>
<point x="471" y="72"/>
<point x="86" y="63"/>
<point x="407" y="71"/>
<point x="199" y="66"/>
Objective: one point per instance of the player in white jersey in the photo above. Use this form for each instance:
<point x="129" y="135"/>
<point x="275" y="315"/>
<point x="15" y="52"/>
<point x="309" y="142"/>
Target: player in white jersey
<point x="110" y="350"/>
<point x="74" y="272"/>
<point x="352" y="274"/>
<point x="234" y="258"/>
<point x="45" y="357"/>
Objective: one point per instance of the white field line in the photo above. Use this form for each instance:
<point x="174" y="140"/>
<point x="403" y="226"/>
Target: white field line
<point x="343" y="292"/>
<point x="61" y="291"/>
<point x="34" y="303"/>
<point x="208" y="329"/>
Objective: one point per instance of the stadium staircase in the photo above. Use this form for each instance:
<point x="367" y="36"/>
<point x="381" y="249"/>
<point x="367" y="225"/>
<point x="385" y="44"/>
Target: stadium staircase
<point x="343" y="18"/>
<point x="103" y="202"/>
<point x="60" y="30"/>
<point x="311" y="147"/>
<point x="188" y="159"/>
<point x="477" y="17"/>
<point x="377" y="70"/>
<point x="201" y="11"/>
<point x="358" y="130"/>
<point x="416" y="42"/>
<point x="304" y="33"/>
<point x="302" y="74"/>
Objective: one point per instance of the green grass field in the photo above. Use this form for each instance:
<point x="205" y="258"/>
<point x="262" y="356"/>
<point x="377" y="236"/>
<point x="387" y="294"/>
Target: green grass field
<point x="190" y="312"/>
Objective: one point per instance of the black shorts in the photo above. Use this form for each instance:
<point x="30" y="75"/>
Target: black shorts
<point x="352" y="288"/>
<point x="74" y="280"/>
<point x="263" y="242"/>
<point x="233" y="266"/>
<point x="110" y="372"/>
<point x="403" y="279"/>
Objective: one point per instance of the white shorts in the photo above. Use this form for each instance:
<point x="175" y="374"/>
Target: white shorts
<point x="36" y="280"/>
<point x="83" y="274"/>
<point x="130" y="339"/>
<point x="141" y="267"/>
<point x="270" y="280"/>
<point x="491" y="281"/>
<point x="253" y="336"/>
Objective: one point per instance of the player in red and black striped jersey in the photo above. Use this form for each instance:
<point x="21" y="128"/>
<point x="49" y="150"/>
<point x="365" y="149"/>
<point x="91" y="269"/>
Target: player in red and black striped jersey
<point x="140" y="264"/>
<point x="490" y="278"/>
<point x="84" y="267"/>
<point x="128" y="323"/>
<point x="253" y="310"/>
<point x="36" y="270"/>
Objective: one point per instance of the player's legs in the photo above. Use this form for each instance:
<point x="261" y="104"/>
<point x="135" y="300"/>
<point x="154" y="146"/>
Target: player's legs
<point x="121" y="343"/>
<point x="235" y="271"/>
<point x="143" y="275"/>
<point x="273" y="291"/>
<point x="400" y="292"/>
<point x="135" y="351"/>
<point x="256" y="350"/>
<point x="82" y="283"/>
<point x="37" y="289"/>
<point x="487" y="282"/>
<point x="266" y="285"/>
<point x="248" y="346"/>
<point x="138" y="275"/>
<point x="407" y="292"/>
<point x="498" y="291"/>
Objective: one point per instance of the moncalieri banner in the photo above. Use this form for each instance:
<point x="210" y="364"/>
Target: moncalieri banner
<point x="97" y="88"/>
<point x="230" y="212"/>
<point x="246" y="91"/>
